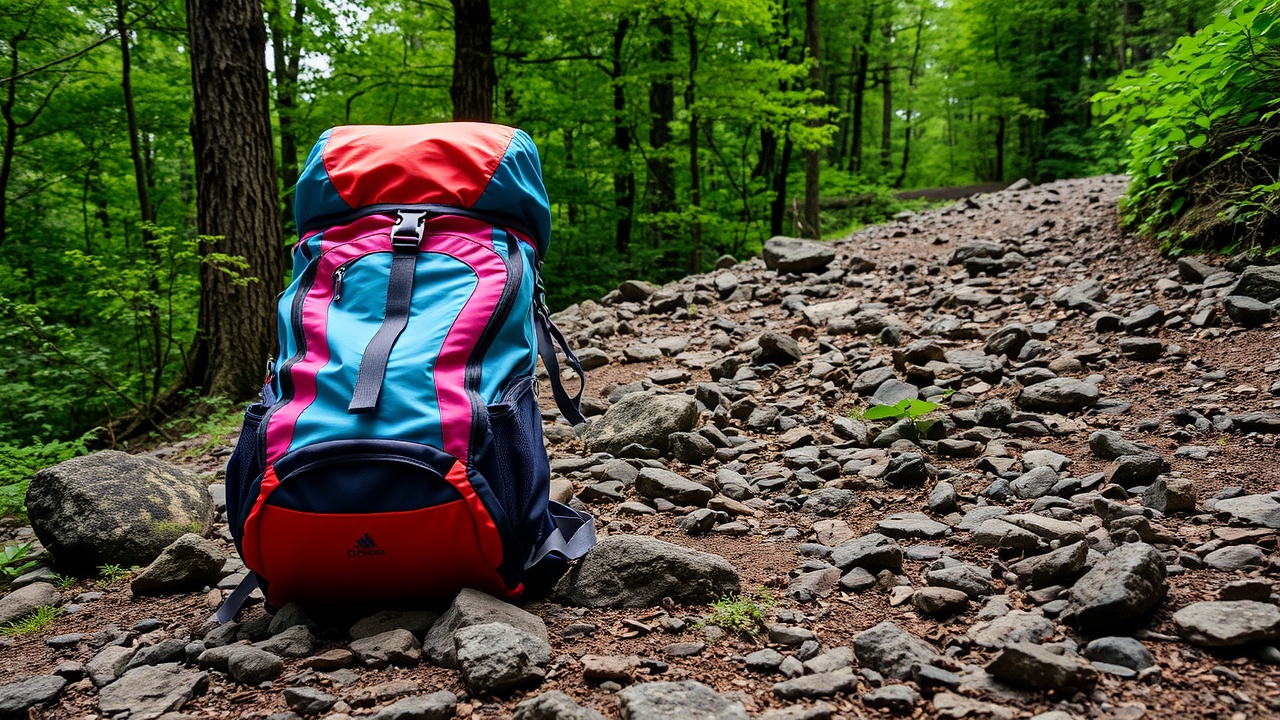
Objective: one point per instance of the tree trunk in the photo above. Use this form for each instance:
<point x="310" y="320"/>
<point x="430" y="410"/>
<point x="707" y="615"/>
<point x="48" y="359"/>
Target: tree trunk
<point x="473" y="75"/>
<point x="695" y="171"/>
<point x="886" y="89"/>
<point x="911" y="86"/>
<point x="660" y="195"/>
<point x="235" y="195"/>
<point x="778" y="208"/>
<point x="860" y="88"/>
<point x="286" y="48"/>
<point x="999" y="170"/>
<point x="624" y="180"/>
<point x="10" y="136"/>
<point x="813" y="156"/>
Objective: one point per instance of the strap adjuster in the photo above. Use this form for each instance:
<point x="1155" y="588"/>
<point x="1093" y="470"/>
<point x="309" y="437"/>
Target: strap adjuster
<point x="406" y="236"/>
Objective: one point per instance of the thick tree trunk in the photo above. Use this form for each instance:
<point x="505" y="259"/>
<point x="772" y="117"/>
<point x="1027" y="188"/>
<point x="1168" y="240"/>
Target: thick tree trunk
<point x="10" y="137"/>
<point x="660" y="195"/>
<point x="778" y="208"/>
<point x="624" y="180"/>
<point x="813" y="156"/>
<point x="286" y="48"/>
<point x="473" y="75"/>
<point x="235" y="195"/>
<point x="998" y="175"/>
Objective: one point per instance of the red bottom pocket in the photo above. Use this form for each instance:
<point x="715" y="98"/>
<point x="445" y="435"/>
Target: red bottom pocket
<point x="373" y="558"/>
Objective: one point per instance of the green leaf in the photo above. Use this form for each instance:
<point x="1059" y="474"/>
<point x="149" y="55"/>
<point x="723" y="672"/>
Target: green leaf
<point x="1199" y="140"/>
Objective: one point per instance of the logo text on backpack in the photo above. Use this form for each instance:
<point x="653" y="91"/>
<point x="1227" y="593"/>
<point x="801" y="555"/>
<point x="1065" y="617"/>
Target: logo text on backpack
<point x="365" y="547"/>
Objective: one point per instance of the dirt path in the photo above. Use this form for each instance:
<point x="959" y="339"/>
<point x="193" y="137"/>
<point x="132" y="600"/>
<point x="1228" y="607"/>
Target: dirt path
<point x="813" y="477"/>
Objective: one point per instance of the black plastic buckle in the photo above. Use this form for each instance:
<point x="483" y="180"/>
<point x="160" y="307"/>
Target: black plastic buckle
<point x="406" y="236"/>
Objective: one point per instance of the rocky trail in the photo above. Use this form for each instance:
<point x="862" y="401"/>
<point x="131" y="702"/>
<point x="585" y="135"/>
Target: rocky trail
<point x="1085" y="528"/>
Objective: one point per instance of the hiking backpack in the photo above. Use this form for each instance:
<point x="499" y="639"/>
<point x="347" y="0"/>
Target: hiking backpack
<point x="397" y="452"/>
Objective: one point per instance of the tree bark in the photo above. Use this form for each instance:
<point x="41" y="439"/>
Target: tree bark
<point x="660" y="195"/>
<point x="474" y="77"/>
<point x="624" y="180"/>
<point x="286" y="49"/>
<point x="911" y="86"/>
<point x="10" y="135"/>
<point x="860" y="88"/>
<point x="813" y="156"/>
<point x="695" y="170"/>
<point x="236" y="197"/>
<point x="886" y="89"/>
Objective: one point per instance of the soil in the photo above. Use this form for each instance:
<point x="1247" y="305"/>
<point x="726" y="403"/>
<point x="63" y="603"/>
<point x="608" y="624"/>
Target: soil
<point x="1218" y="366"/>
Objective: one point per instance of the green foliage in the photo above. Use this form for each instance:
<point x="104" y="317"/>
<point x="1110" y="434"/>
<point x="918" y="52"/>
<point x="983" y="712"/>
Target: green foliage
<point x="1205" y="136"/>
<point x="908" y="408"/>
<point x="64" y="582"/>
<point x="33" y="623"/>
<point x="741" y="614"/>
<point x="18" y="463"/>
<point x="108" y="574"/>
<point x="11" y="561"/>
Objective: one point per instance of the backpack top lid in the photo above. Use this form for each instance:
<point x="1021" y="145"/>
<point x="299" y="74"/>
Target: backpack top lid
<point x="476" y="166"/>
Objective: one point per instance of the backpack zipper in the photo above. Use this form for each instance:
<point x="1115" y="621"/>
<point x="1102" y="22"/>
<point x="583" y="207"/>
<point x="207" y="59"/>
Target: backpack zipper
<point x="338" y="276"/>
<point x="285" y="372"/>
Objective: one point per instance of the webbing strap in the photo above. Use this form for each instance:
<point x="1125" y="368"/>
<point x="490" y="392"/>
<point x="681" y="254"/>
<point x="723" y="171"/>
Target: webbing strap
<point x="570" y="407"/>
<point x="227" y="612"/>
<point x="574" y="534"/>
<point x="405" y="239"/>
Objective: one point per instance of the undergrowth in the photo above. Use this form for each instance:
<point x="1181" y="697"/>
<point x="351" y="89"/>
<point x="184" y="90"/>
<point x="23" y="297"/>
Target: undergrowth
<point x="741" y="614"/>
<point x="33" y="623"/>
<point x="18" y="463"/>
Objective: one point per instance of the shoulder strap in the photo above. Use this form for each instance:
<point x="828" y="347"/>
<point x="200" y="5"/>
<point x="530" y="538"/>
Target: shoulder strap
<point x="573" y="536"/>
<point x="570" y="407"/>
<point x="227" y="612"/>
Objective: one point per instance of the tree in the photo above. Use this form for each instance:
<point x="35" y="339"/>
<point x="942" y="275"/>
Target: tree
<point x="473" y="74"/>
<point x="235" y="195"/>
<point x="812" y="156"/>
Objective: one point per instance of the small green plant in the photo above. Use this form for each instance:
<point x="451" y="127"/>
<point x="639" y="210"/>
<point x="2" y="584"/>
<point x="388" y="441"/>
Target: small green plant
<point x="33" y="623"/>
<point x="108" y="574"/>
<point x="740" y="613"/>
<point x="910" y="409"/>
<point x="11" y="561"/>
<point x="64" y="582"/>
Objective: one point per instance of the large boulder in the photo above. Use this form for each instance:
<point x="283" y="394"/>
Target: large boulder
<point x="634" y="571"/>
<point x="791" y="255"/>
<point x="111" y="508"/>
<point x="642" y="418"/>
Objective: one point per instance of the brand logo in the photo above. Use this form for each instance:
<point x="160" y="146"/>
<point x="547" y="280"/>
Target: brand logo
<point x="365" y="547"/>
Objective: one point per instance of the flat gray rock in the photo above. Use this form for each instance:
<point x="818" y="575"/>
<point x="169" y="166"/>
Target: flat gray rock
<point x="635" y="571"/>
<point x="151" y="691"/>
<point x="111" y="508"/>
<point x="1016" y="626"/>
<point x="818" y="685"/>
<point x="873" y="552"/>
<point x="417" y="622"/>
<point x="643" y="418"/>
<point x="906" y="526"/>
<point x="793" y="255"/>
<point x="659" y="483"/>
<point x="1053" y="567"/>
<point x="554" y="705"/>
<point x="395" y="647"/>
<point x="1261" y="510"/>
<point x="438" y="705"/>
<point x="1228" y="623"/>
<point x="1035" y="666"/>
<point x="496" y="657"/>
<point x="473" y="607"/>
<point x="1062" y="395"/>
<point x="17" y="698"/>
<point x="1123" y="651"/>
<point x="684" y="700"/>
<point x="891" y="651"/>
<point x="1260" y="282"/>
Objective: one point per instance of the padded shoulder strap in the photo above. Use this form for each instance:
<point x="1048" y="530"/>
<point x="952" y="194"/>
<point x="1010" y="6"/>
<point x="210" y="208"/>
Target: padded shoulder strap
<point x="574" y="534"/>
<point x="227" y="612"/>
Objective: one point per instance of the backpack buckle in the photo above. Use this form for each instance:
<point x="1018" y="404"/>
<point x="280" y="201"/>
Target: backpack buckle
<point x="406" y="236"/>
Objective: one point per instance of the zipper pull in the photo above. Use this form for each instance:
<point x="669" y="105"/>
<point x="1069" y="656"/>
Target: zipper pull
<point x="337" y="282"/>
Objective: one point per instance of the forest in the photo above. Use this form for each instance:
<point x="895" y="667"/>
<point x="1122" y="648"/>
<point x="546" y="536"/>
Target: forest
<point x="671" y="133"/>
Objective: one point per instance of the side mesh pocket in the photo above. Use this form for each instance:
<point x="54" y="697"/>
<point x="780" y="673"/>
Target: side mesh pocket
<point x="244" y="467"/>
<point x="519" y="472"/>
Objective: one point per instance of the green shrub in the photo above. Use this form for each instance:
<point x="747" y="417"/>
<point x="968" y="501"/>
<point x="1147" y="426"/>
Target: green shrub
<point x="1205" y="139"/>
<point x="18" y="463"/>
